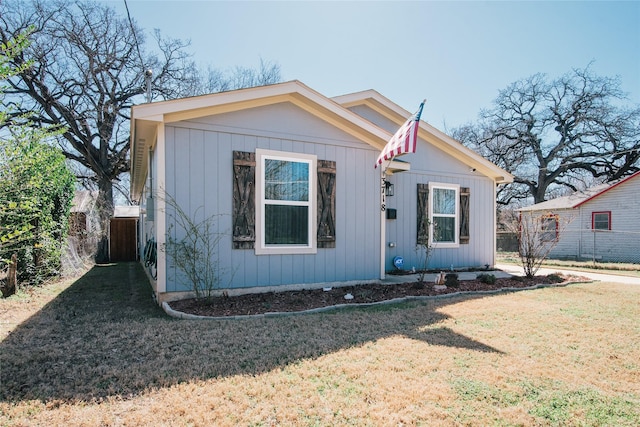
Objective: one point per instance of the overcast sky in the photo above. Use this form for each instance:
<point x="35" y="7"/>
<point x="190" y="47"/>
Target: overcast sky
<point x="457" y="55"/>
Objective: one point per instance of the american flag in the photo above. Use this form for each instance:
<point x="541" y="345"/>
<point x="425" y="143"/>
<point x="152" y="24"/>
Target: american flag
<point x="404" y="140"/>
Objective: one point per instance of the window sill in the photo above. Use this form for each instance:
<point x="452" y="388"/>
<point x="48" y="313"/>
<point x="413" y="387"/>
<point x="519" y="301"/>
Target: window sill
<point x="285" y="250"/>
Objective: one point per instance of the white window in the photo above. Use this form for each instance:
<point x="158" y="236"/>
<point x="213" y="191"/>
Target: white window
<point x="444" y="206"/>
<point x="601" y="220"/>
<point x="285" y="203"/>
<point x="549" y="228"/>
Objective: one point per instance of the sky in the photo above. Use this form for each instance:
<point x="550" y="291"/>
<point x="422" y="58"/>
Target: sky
<point x="457" y="55"/>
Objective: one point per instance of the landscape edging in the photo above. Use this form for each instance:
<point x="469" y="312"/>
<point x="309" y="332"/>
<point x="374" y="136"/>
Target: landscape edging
<point x="187" y="316"/>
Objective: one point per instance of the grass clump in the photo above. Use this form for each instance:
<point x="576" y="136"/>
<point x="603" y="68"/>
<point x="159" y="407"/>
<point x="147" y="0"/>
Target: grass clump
<point x="559" y="408"/>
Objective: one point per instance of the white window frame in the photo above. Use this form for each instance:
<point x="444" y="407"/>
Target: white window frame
<point x="593" y="220"/>
<point x="261" y="247"/>
<point x="549" y="228"/>
<point x="456" y="216"/>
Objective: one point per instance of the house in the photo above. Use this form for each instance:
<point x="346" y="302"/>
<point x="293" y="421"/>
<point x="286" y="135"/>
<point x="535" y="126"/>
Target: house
<point x="599" y="223"/>
<point x="84" y="224"/>
<point x="290" y="172"/>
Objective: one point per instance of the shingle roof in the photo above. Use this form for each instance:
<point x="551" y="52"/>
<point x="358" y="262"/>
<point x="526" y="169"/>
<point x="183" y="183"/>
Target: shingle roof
<point x="578" y="198"/>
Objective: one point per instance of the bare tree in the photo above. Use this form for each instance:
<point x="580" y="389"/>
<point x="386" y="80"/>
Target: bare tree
<point x="552" y="134"/>
<point x="538" y="233"/>
<point x="87" y="68"/>
<point x="215" y="80"/>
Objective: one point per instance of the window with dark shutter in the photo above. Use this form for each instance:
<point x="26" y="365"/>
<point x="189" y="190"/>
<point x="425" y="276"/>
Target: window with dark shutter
<point x="326" y="236"/>
<point x="465" y="194"/>
<point x="244" y="209"/>
<point x="423" y="214"/>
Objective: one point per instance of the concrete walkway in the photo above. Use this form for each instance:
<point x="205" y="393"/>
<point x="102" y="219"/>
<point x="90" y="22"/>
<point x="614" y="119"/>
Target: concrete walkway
<point x="431" y="277"/>
<point x="509" y="270"/>
<point x="517" y="270"/>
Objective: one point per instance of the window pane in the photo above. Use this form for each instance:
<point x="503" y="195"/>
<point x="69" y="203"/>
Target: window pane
<point x="444" y="201"/>
<point x="601" y="221"/>
<point x="444" y="229"/>
<point x="286" y="225"/>
<point x="286" y="180"/>
<point x="549" y="227"/>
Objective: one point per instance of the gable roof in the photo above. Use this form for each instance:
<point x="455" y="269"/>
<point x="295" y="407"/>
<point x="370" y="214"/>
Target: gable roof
<point x="393" y="112"/>
<point x="579" y="198"/>
<point x="145" y="119"/>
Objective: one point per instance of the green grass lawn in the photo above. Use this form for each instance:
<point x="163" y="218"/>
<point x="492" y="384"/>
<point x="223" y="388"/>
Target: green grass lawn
<point x="98" y="351"/>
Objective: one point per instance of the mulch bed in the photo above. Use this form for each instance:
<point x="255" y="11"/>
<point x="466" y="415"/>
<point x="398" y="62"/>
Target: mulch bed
<point x="296" y="301"/>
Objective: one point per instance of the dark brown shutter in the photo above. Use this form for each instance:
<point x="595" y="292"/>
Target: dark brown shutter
<point x="244" y="207"/>
<point x="326" y="236"/>
<point x="423" y="214"/>
<point x="465" y="193"/>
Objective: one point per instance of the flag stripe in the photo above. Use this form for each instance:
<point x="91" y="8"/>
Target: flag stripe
<point x="404" y="140"/>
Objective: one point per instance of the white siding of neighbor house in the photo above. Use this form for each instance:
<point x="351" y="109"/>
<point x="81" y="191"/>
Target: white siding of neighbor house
<point x="199" y="174"/>
<point x="621" y="244"/>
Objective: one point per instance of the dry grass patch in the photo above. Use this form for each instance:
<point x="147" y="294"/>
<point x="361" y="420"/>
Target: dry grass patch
<point x="555" y="356"/>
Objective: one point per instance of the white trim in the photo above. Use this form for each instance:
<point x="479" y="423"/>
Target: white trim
<point x="261" y="248"/>
<point x="383" y="227"/>
<point x="455" y="216"/>
<point x="494" y="254"/>
<point x="145" y="116"/>
<point x="160" y="214"/>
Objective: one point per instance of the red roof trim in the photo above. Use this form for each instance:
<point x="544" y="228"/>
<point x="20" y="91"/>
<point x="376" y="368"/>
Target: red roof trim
<point x="607" y="189"/>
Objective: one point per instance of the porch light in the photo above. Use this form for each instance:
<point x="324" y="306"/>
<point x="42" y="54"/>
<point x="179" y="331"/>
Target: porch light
<point x="388" y="188"/>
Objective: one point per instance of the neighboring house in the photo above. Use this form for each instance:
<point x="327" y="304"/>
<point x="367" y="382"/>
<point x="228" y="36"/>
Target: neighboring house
<point x="84" y="225"/>
<point x="291" y="174"/>
<point x="601" y="223"/>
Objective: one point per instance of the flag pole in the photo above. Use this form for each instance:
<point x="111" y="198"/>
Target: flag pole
<point x="383" y="217"/>
<point x="383" y="222"/>
<point x="402" y="142"/>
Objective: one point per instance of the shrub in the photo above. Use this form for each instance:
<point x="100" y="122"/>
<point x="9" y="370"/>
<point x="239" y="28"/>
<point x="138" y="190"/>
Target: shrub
<point x="451" y="280"/>
<point x="486" y="278"/>
<point x="192" y="246"/>
<point x="555" y="278"/>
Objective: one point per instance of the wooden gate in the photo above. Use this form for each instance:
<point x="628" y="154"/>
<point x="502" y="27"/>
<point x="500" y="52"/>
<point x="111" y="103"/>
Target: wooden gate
<point x="123" y="238"/>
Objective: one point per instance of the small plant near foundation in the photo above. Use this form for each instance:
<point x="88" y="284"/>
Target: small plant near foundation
<point x="424" y="249"/>
<point x="451" y="280"/>
<point x="192" y="247"/>
<point x="486" y="278"/>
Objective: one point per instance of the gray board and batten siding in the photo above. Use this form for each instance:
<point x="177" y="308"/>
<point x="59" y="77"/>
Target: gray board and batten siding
<point x="199" y="174"/>
<point x="205" y="149"/>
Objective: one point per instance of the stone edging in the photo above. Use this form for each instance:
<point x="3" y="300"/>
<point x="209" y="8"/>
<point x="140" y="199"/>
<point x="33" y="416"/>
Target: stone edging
<point x="186" y="316"/>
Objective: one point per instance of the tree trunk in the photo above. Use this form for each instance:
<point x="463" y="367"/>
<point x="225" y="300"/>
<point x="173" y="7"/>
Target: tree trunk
<point x="104" y="206"/>
<point x="12" y="278"/>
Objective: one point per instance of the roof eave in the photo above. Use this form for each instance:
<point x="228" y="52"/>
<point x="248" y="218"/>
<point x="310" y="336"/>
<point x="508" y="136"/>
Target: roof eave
<point x="390" y="110"/>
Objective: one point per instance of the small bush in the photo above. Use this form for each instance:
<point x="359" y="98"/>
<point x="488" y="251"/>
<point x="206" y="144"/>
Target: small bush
<point x="486" y="278"/>
<point x="555" y="278"/>
<point x="451" y="280"/>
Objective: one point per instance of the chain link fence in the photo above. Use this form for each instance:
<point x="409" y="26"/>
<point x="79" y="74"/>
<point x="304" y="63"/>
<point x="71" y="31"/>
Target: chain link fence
<point x="598" y="246"/>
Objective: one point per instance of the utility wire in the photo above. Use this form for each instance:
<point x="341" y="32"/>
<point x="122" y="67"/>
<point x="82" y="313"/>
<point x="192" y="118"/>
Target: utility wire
<point x="146" y="73"/>
<point x="135" y="38"/>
